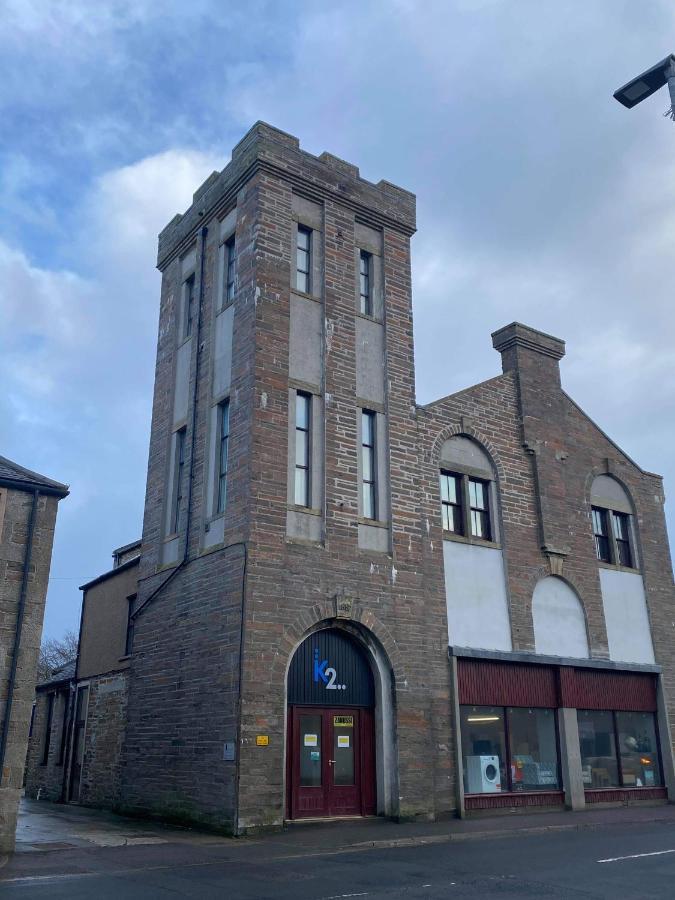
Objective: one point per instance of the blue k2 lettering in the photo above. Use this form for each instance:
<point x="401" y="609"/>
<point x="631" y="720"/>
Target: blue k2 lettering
<point x="325" y="673"/>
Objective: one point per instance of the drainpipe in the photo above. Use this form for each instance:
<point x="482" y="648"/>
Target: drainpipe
<point x="72" y="698"/>
<point x="242" y="634"/>
<point x="19" y="628"/>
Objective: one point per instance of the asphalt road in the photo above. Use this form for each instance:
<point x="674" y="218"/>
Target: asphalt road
<point x="610" y="862"/>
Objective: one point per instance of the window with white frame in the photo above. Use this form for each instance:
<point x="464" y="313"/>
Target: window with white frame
<point x="468" y="491"/>
<point x="368" y="464"/>
<point x="612" y="522"/>
<point x="365" y="283"/>
<point x="303" y="260"/>
<point x="303" y="450"/>
<point x="230" y="263"/>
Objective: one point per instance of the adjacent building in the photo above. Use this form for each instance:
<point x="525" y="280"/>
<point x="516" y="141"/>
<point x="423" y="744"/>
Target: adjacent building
<point x="79" y="715"/>
<point x="28" y="505"/>
<point x="350" y="604"/>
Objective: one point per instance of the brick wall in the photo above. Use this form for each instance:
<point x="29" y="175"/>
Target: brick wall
<point x="186" y="697"/>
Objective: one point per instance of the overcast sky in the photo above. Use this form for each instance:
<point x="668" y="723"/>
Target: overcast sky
<point x="539" y="199"/>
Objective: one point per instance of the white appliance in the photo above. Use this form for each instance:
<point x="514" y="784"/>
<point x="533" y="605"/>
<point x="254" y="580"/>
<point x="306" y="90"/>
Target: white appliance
<point x="482" y="774"/>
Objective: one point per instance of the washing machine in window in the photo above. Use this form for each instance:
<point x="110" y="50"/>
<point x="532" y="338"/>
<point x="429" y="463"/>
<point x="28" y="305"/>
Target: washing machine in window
<point x="483" y="775"/>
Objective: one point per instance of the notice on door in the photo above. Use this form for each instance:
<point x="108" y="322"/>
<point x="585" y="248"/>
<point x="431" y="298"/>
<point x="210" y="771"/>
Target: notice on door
<point x="343" y="721"/>
<point x="311" y="740"/>
<point x="343" y="740"/>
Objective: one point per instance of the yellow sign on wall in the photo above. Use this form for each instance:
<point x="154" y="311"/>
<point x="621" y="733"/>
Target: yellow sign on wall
<point x="262" y="740"/>
<point x="344" y="721"/>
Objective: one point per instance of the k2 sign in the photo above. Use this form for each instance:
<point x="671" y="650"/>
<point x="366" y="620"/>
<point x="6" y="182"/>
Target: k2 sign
<point x="325" y="673"/>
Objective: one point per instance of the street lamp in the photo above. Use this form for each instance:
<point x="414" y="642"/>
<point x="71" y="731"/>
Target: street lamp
<point x="638" y="89"/>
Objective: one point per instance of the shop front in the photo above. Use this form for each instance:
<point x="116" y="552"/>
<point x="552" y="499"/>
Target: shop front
<point x="540" y="735"/>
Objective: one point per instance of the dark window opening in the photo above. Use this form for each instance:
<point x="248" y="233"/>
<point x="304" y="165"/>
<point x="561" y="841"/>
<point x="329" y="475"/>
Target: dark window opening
<point x="601" y="535"/>
<point x="179" y="479"/>
<point x="231" y="262"/>
<point x="303" y="260"/>
<point x="48" y="729"/>
<point x="365" y="291"/>
<point x="189" y="301"/>
<point x="64" y="731"/>
<point x="129" y="638"/>
<point x="622" y="538"/>
<point x="223" y="444"/>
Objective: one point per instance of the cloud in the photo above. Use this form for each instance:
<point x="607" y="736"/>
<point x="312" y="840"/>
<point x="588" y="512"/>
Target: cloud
<point x="77" y="362"/>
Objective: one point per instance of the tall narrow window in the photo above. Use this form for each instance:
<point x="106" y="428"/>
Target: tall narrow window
<point x="48" y="729"/>
<point x="64" y="731"/>
<point x="303" y="259"/>
<point x="479" y="507"/>
<point x="231" y="264"/>
<point x="622" y="538"/>
<point x="368" y="464"/>
<point x="223" y="441"/>
<point x="129" y="639"/>
<point x="451" y="503"/>
<point x="188" y="304"/>
<point x="601" y="534"/>
<point x="303" y="406"/>
<point x="365" y="265"/>
<point x="179" y="479"/>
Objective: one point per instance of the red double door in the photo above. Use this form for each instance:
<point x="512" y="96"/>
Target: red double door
<point x="331" y="762"/>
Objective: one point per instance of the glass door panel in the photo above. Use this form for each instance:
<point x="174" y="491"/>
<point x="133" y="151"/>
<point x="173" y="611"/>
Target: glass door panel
<point x="310" y="751"/>
<point x="343" y="753"/>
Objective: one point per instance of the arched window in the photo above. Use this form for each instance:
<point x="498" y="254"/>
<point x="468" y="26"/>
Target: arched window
<point x="468" y="492"/>
<point x="612" y="514"/>
<point x="558" y="619"/>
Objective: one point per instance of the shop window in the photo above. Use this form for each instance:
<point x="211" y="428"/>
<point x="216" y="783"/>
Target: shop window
<point x="640" y="766"/>
<point x="519" y="743"/>
<point x="618" y="749"/>
<point x="533" y="749"/>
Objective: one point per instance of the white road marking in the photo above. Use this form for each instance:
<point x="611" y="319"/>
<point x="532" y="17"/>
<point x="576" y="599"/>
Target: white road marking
<point x="635" y="856"/>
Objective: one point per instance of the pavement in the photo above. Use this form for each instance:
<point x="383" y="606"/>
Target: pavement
<point x="69" y="851"/>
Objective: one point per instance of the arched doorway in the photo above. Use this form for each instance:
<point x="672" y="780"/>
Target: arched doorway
<point x="331" y="729"/>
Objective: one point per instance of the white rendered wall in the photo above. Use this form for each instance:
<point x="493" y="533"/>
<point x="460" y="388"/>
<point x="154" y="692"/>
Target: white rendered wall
<point x="558" y="619"/>
<point x="626" y="619"/>
<point x="475" y="593"/>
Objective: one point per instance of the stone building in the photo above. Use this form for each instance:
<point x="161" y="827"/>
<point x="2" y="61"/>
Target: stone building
<point x="28" y="504"/>
<point x="314" y="541"/>
<point x="79" y="714"/>
<point x="349" y="604"/>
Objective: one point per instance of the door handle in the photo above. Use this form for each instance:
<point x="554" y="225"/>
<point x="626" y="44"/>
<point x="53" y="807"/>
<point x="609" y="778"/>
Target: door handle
<point x="331" y="762"/>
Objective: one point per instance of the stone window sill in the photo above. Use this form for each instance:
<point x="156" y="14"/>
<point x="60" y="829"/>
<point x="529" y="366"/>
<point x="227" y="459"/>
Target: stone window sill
<point x="615" y="568"/>
<point x="463" y="539"/>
